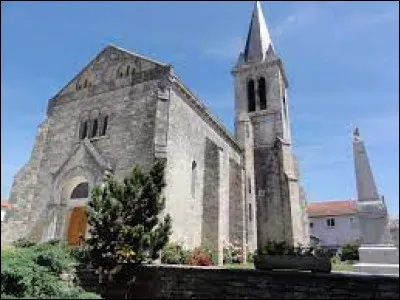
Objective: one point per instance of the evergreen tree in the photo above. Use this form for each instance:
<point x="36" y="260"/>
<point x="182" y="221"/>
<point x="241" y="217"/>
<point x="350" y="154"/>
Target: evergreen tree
<point x="124" y="219"/>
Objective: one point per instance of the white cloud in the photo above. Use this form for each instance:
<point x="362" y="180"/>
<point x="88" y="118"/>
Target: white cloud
<point x="315" y="16"/>
<point x="311" y="16"/>
<point x="301" y="17"/>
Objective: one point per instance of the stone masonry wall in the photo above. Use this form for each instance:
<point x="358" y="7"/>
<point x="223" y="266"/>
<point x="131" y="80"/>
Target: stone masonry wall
<point x="187" y="134"/>
<point x="280" y="216"/>
<point x="22" y="192"/>
<point x="210" y="221"/>
<point x="130" y="103"/>
<point x="236" y="202"/>
<point x="273" y="209"/>
<point x="169" y="282"/>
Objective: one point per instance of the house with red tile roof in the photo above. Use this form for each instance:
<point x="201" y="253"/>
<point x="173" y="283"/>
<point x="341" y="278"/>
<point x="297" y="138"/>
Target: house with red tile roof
<point x="333" y="223"/>
<point x="4" y="207"/>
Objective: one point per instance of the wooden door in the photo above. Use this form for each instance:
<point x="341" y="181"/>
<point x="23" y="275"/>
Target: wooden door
<point x="77" y="225"/>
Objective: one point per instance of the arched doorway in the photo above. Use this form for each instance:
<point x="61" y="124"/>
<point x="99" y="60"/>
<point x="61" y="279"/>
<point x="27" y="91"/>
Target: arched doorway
<point x="77" y="226"/>
<point x="76" y="193"/>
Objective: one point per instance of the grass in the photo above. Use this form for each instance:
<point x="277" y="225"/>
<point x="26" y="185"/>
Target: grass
<point x="341" y="266"/>
<point x="239" y="266"/>
<point x="336" y="266"/>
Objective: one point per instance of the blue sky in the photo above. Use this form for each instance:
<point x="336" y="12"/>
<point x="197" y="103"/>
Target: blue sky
<point x="341" y="58"/>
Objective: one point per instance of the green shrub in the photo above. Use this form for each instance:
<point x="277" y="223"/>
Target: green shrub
<point x="81" y="254"/>
<point x="282" y="248"/>
<point x="125" y="220"/>
<point x="8" y="251"/>
<point x="23" y="243"/>
<point x="55" y="257"/>
<point x="335" y="260"/>
<point x="78" y="293"/>
<point x="34" y="272"/>
<point x="173" y="254"/>
<point x="22" y="277"/>
<point x="214" y="257"/>
<point x="250" y="256"/>
<point x="349" y="252"/>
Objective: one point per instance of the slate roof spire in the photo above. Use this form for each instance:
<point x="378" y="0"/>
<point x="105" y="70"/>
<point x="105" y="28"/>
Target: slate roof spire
<point x="258" y="39"/>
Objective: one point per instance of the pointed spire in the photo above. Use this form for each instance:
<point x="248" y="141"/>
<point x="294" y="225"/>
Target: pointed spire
<point x="366" y="187"/>
<point x="258" y="39"/>
<point x="356" y="132"/>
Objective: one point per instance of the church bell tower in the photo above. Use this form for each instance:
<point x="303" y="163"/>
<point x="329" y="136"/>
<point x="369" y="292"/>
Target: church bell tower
<point x="275" y="207"/>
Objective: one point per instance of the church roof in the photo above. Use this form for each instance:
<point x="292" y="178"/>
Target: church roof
<point x="203" y="111"/>
<point x="331" y="208"/>
<point x="138" y="55"/>
<point x="258" y="39"/>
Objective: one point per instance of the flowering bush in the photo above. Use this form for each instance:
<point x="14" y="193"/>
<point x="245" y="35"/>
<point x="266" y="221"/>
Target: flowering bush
<point x="198" y="257"/>
<point x="233" y="252"/>
<point x="282" y="248"/>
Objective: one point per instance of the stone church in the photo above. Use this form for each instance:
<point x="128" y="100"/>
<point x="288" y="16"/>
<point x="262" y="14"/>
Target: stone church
<point x="124" y="109"/>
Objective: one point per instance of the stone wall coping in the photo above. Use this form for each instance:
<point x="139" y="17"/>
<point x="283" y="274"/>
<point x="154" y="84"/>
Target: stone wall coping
<point x="276" y="273"/>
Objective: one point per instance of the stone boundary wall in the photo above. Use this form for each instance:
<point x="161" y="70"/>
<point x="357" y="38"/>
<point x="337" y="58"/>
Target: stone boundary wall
<point x="184" y="282"/>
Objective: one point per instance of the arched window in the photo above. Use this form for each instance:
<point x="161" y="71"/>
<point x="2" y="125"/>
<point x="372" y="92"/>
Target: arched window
<point x="284" y="107"/>
<point x="250" y="213"/>
<point x="249" y="183"/>
<point x="84" y="130"/>
<point x="85" y="84"/>
<point x="251" y="95"/>
<point x="127" y="70"/>
<point x="94" y="127"/>
<point x="104" y="126"/>
<point x="194" y="178"/>
<point x="262" y="93"/>
<point x="80" y="191"/>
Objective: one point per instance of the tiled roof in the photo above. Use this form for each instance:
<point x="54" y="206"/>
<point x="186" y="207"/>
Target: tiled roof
<point x="331" y="208"/>
<point x="5" y="204"/>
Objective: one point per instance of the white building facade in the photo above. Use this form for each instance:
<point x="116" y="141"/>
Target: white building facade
<point x="4" y="207"/>
<point x="333" y="223"/>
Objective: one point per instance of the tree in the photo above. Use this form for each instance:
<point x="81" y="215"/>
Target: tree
<point x="124" y="219"/>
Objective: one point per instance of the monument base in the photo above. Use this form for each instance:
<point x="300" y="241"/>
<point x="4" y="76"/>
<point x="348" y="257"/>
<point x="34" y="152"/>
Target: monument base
<point x="378" y="259"/>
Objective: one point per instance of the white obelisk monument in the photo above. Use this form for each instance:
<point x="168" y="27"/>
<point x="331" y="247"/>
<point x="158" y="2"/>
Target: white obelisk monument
<point x="378" y="254"/>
